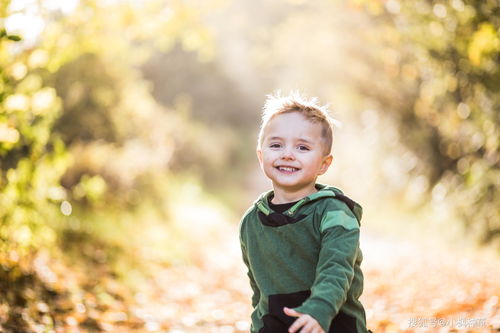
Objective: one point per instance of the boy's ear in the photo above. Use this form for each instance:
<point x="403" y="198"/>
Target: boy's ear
<point x="259" y="156"/>
<point x="327" y="161"/>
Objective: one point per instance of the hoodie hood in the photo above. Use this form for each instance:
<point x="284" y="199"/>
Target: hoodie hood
<point x="324" y="192"/>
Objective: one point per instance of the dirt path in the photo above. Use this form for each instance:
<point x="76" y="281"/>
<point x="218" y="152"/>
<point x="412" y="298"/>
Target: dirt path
<point x="409" y="287"/>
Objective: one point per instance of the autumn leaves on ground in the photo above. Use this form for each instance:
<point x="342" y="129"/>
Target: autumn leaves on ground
<point x="409" y="287"/>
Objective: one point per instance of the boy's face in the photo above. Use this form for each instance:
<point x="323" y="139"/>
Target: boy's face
<point x="292" y="153"/>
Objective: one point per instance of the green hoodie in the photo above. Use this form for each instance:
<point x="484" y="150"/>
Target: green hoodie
<point x="307" y="258"/>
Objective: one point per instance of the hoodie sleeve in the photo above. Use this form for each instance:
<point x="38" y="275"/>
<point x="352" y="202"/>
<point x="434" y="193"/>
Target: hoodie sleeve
<point x="335" y="269"/>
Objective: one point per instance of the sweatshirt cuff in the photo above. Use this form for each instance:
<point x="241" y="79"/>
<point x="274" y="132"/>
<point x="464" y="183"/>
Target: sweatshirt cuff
<point x="321" y="311"/>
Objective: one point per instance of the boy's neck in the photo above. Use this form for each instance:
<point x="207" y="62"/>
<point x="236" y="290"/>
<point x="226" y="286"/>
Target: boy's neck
<point x="282" y="196"/>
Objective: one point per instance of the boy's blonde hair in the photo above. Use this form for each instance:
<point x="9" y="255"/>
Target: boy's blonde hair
<point x="296" y="102"/>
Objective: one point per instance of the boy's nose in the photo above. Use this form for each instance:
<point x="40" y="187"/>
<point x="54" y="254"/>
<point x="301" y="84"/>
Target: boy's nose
<point x="288" y="155"/>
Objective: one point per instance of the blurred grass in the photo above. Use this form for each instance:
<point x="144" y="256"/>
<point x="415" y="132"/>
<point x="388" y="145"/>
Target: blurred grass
<point x="163" y="229"/>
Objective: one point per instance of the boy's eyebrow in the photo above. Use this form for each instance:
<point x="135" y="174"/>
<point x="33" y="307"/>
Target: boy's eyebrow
<point x="280" y="138"/>
<point x="305" y="140"/>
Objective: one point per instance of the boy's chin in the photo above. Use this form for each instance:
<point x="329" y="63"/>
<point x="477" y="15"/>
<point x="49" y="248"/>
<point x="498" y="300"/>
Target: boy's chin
<point x="292" y="186"/>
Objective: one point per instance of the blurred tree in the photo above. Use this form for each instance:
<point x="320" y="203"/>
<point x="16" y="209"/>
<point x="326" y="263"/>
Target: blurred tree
<point x="33" y="159"/>
<point x="75" y="110"/>
<point x="218" y="110"/>
<point x="443" y="56"/>
<point x="87" y="90"/>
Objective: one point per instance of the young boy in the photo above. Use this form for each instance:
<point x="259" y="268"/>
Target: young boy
<point x="300" y="241"/>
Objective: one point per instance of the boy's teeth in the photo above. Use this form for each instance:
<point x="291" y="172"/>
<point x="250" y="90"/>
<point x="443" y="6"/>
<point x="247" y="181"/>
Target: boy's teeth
<point x="287" y="169"/>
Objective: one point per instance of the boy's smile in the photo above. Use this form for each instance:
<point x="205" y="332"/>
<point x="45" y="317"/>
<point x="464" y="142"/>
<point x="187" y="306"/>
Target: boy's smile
<point x="292" y="156"/>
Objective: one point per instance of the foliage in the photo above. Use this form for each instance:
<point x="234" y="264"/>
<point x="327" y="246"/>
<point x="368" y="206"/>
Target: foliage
<point x="81" y="137"/>
<point x="443" y="56"/>
<point x="85" y="157"/>
<point x="78" y="123"/>
<point x="33" y="158"/>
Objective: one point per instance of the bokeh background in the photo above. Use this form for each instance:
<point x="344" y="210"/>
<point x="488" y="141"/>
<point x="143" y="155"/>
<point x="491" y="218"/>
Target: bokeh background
<point x="127" y="155"/>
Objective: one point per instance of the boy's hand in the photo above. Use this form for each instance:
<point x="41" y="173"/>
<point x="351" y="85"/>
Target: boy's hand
<point x="308" y="323"/>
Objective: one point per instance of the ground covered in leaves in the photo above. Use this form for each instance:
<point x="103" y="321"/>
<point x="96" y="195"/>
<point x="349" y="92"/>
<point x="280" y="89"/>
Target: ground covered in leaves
<point x="409" y="287"/>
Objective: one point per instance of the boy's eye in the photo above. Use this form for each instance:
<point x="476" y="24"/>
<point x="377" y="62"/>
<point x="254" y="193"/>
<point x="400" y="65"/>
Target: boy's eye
<point x="274" y="145"/>
<point x="303" y="148"/>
